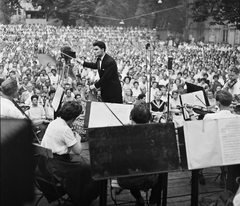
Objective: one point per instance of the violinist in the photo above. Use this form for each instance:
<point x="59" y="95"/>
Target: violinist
<point x="223" y="101"/>
<point x="233" y="83"/>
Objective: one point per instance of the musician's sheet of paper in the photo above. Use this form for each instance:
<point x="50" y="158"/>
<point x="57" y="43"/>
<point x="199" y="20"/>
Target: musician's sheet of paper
<point x="109" y="114"/>
<point x="212" y="143"/>
<point x="202" y="144"/>
<point x="194" y="98"/>
<point x="229" y="133"/>
<point x="57" y="98"/>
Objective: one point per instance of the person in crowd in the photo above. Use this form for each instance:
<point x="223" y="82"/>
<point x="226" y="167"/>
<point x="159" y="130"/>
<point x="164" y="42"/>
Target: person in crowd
<point x="164" y="94"/>
<point x="49" y="110"/>
<point x="68" y="96"/>
<point x="175" y="109"/>
<point x="79" y="122"/>
<point x="128" y="98"/>
<point x="54" y="78"/>
<point x="211" y="99"/>
<point x="157" y="107"/>
<point x="68" y="166"/>
<point x="140" y="114"/>
<point x="111" y="90"/>
<point x="141" y="99"/>
<point x="153" y="90"/>
<point x="38" y="116"/>
<point x="136" y="90"/>
<point x="215" y="83"/>
<point x="27" y="94"/>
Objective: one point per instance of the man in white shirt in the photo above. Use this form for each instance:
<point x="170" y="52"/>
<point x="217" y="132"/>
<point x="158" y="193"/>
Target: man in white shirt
<point x="136" y="90"/>
<point x="233" y="85"/>
<point x="54" y="78"/>
<point x="9" y="91"/>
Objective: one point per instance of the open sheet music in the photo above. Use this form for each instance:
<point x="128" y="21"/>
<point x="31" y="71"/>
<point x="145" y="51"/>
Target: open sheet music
<point x="212" y="143"/>
<point x="99" y="114"/>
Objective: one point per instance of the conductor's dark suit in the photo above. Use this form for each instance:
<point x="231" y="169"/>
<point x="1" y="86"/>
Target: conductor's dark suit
<point x="111" y="90"/>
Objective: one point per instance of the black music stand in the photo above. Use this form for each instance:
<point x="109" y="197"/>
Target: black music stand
<point x="132" y="150"/>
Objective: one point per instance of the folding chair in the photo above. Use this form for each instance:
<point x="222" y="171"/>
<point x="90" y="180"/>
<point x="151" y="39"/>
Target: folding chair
<point x="47" y="184"/>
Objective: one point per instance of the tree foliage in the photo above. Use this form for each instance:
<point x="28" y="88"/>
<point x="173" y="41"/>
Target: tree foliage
<point x="7" y="9"/>
<point x="219" y="11"/>
<point x="147" y="13"/>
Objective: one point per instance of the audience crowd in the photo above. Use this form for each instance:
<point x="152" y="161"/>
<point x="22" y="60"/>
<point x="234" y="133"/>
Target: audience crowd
<point x="142" y="63"/>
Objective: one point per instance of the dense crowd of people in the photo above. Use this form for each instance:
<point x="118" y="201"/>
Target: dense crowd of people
<point x="144" y="71"/>
<point x="206" y="65"/>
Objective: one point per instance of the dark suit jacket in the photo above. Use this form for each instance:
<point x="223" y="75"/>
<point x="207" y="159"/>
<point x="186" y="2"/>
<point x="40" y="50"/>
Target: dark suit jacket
<point x="111" y="90"/>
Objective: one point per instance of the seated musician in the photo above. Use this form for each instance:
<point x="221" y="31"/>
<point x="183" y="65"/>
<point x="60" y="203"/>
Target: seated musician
<point x="9" y="88"/>
<point x="69" y="167"/>
<point x="223" y="101"/>
<point x="140" y="114"/>
<point x="157" y="107"/>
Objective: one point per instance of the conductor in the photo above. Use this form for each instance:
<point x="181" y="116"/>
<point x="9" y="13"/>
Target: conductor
<point x="109" y="84"/>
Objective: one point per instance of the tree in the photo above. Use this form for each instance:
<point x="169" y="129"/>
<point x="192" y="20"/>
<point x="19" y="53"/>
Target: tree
<point x="161" y="14"/>
<point x="220" y="12"/>
<point x="7" y="9"/>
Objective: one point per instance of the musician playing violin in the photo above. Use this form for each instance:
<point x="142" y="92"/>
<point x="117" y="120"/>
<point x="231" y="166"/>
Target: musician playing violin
<point x="233" y="83"/>
<point x="223" y="101"/>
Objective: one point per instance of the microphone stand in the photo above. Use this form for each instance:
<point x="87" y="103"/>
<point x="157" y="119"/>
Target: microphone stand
<point x="168" y="90"/>
<point x="150" y="70"/>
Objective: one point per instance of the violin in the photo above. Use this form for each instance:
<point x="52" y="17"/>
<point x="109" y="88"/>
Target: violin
<point x="200" y="109"/>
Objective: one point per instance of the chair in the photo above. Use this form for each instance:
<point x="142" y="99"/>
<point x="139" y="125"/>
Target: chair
<point x="44" y="180"/>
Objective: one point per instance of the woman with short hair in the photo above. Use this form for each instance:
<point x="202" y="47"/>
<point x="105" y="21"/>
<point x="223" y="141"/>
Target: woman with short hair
<point x="68" y="166"/>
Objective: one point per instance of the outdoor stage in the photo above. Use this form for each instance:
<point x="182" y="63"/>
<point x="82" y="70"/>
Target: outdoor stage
<point x="179" y="189"/>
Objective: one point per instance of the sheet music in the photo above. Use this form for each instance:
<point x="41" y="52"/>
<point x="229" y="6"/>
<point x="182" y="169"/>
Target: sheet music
<point x="202" y="144"/>
<point x="194" y="98"/>
<point x="101" y="116"/>
<point x="57" y="98"/>
<point x="229" y="134"/>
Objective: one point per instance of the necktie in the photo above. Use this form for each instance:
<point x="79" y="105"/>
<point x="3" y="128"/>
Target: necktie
<point x="98" y="63"/>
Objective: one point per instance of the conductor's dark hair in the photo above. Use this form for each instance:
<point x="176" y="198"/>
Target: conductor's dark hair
<point x="224" y="97"/>
<point x="140" y="114"/>
<point x="100" y="44"/>
<point x="70" y="110"/>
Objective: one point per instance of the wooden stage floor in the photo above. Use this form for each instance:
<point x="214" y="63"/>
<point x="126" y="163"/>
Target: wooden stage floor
<point x="179" y="189"/>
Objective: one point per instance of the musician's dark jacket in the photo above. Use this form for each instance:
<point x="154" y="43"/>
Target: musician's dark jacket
<point x="111" y="90"/>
